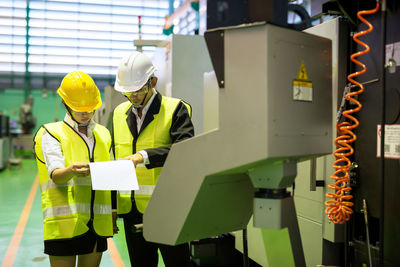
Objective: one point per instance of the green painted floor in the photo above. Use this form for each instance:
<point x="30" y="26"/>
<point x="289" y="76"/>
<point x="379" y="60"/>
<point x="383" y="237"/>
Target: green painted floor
<point x="15" y="186"/>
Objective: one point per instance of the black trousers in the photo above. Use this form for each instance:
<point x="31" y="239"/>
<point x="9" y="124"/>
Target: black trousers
<point x="145" y="254"/>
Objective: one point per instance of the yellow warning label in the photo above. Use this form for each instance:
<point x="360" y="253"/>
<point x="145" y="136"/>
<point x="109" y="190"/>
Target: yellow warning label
<point x="302" y="75"/>
<point x="302" y="83"/>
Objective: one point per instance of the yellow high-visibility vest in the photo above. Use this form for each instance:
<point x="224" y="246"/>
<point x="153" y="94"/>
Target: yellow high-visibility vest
<point x="67" y="207"/>
<point x="156" y="134"/>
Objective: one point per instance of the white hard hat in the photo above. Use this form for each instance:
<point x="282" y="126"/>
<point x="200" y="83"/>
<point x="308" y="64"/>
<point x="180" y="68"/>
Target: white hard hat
<point x="134" y="71"/>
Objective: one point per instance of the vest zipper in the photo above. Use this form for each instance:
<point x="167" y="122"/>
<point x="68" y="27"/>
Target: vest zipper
<point x="91" y="159"/>
<point x="134" y="141"/>
<point x="93" y="192"/>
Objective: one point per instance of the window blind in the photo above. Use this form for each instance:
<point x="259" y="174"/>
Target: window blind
<point x="54" y="37"/>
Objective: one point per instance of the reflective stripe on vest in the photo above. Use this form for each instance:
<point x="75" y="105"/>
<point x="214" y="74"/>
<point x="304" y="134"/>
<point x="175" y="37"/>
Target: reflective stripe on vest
<point x="156" y="134"/>
<point x="66" y="207"/>
<point x="50" y="184"/>
<point x="76" y="208"/>
<point x="145" y="190"/>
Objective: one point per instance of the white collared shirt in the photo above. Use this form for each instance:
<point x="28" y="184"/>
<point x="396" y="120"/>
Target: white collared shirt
<point x="139" y="123"/>
<point x="51" y="148"/>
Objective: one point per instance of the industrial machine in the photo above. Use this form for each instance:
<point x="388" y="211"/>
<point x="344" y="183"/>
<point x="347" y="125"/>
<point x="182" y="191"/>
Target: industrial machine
<point x="180" y="65"/>
<point x="4" y="140"/>
<point x="246" y="161"/>
<point x="26" y="117"/>
<point x="275" y="110"/>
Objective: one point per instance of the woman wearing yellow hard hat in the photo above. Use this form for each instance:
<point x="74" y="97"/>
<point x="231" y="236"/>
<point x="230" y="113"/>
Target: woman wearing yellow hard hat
<point x="77" y="220"/>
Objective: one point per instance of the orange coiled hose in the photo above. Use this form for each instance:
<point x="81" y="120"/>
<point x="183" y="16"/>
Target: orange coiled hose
<point x="339" y="207"/>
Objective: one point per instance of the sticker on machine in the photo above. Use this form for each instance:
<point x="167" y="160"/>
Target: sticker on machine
<point x="302" y="86"/>
<point x="392" y="141"/>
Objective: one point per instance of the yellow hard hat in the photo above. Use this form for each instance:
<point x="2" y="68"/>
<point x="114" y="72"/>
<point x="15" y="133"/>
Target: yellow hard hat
<point x="79" y="92"/>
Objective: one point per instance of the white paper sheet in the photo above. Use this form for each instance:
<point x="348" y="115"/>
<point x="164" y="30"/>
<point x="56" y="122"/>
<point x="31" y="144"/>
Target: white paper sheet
<point x="113" y="175"/>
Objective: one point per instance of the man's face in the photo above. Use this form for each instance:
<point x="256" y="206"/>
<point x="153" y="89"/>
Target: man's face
<point x="137" y="97"/>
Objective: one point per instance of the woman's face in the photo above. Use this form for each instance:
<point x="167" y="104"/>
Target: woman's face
<point x="82" y="117"/>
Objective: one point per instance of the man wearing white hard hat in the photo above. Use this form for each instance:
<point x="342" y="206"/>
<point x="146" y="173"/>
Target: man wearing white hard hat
<point x="144" y="128"/>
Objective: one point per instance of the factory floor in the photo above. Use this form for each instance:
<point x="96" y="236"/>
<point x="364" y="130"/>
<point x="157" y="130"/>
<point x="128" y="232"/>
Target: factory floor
<point x="21" y="229"/>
